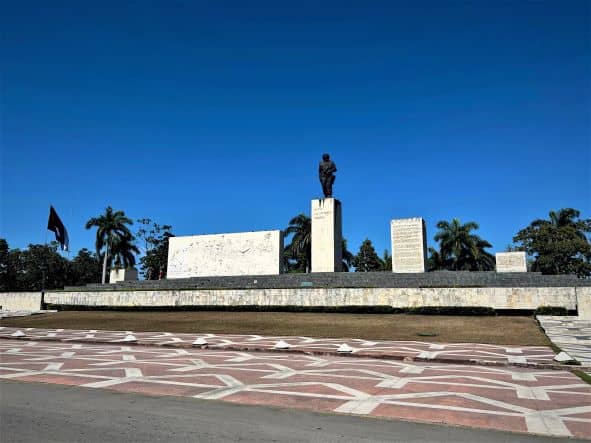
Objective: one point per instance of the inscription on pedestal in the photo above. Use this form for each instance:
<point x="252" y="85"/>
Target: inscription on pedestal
<point x="511" y="261"/>
<point x="409" y="247"/>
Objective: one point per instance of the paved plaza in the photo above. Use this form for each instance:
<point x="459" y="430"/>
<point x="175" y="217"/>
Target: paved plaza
<point x="413" y="350"/>
<point x="542" y="401"/>
<point x="572" y="335"/>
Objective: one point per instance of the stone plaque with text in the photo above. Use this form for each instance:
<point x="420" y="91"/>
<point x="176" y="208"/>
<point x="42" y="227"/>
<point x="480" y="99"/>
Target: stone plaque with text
<point x="409" y="244"/>
<point x="511" y="261"/>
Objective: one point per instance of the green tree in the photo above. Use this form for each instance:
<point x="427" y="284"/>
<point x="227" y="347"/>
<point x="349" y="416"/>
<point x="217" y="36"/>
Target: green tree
<point x="298" y="253"/>
<point x="86" y="268"/>
<point x="460" y="249"/>
<point x="559" y="245"/>
<point x="367" y="259"/>
<point x="15" y="267"/>
<point x="114" y="236"/>
<point x="387" y="261"/>
<point x="155" y="238"/>
<point x="27" y="268"/>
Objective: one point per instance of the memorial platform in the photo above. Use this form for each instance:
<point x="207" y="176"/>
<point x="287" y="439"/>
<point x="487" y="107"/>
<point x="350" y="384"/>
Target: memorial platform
<point x="437" y="279"/>
<point x="499" y="291"/>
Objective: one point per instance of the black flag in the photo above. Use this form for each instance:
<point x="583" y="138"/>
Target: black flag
<point x="55" y="224"/>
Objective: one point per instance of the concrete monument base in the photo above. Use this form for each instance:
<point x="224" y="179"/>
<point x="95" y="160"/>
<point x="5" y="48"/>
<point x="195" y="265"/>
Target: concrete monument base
<point x="119" y="274"/>
<point x="327" y="237"/>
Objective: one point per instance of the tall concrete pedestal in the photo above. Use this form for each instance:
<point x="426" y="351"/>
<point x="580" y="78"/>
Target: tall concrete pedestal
<point x="327" y="235"/>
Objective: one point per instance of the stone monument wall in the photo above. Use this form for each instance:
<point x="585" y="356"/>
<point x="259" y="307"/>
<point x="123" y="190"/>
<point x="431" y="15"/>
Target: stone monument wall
<point x="242" y="253"/>
<point x="497" y="298"/>
<point x="409" y="244"/>
<point x="20" y="301"/>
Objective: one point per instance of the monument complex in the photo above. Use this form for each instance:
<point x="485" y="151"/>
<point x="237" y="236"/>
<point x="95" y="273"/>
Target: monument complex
<point x="261" y="252"/>
<point x="245" y="269"/>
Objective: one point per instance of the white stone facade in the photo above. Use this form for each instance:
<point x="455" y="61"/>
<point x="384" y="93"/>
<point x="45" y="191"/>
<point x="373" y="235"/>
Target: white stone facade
<point x="20" y="301"/>
<point x="497" y="298"/>
<point x="409" y="244"/>
<point x="327" y="236"/>
<point x="584" y="303"/>
<point x="511" y="261"/>
<point x="239" y="253"/>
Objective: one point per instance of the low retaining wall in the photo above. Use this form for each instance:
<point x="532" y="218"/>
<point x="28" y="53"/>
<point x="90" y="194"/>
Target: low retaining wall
<point x="584" y="302"/>
<point x="497" y="298"/>
<point x="20" y="301"/>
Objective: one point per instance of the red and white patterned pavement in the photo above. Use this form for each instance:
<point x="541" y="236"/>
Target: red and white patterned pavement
<point x="414" y="350"/>
<point x="535" y="400"/>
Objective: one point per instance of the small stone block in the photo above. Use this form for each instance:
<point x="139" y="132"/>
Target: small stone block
<point x="129" y="337"/>
<point x="511" y="261"/>
<point x="345" y="349"/>
<point x="281" y="345"/>
<point x="563" y="357"/>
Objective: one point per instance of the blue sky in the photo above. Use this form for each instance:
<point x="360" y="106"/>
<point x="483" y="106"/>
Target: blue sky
<point x="212" y="116"/>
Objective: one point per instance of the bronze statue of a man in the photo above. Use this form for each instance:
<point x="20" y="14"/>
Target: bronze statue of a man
<point x="326" y="172"/>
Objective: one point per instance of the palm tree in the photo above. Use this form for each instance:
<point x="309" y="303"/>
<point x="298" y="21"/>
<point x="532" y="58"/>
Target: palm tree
<point x="436" y="261"/>
<point x="459" y="249"/>
<point x="122" y="254"/>
<point x="564" y="217"/>
<point x="300" y="248"/>
<point x="113" y="234"/>
<point x="482" y="260"/>
<point x="347" y="256"/>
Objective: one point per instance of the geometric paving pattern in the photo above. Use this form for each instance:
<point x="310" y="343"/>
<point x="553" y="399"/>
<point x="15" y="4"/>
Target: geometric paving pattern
<point x="413" y="350"/>
<point x="572" y="335"/>
<point x="535" y="400"/>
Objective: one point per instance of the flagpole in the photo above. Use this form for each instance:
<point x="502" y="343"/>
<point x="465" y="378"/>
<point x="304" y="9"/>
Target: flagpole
<point x="43" y="269"/>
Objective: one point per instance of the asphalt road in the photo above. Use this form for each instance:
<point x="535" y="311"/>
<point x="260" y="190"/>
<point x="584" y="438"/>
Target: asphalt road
<point x="35" y="412"/>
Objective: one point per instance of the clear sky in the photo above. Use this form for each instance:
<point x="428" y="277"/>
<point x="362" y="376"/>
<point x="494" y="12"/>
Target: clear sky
<point x="212" y="116"/>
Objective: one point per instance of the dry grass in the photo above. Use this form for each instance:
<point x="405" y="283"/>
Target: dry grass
<point x="508" y="330"/>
